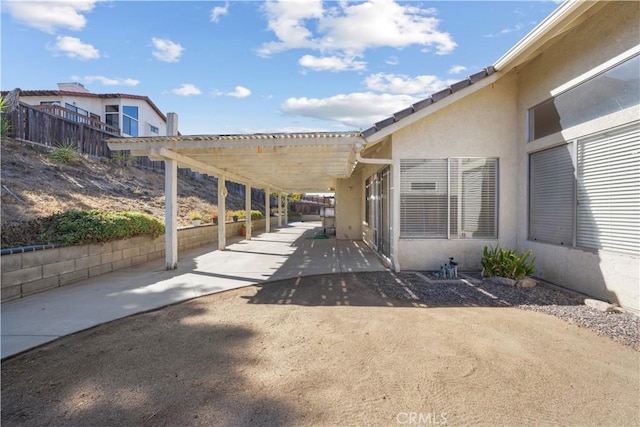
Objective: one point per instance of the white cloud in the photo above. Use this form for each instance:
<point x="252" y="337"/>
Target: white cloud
<point x="186" y="89"/>
<point x="74" y="48"/>
<point x="219" y="11"/>
<point x="331" y="63"/>
<point x="400" y="83"/>
<point x="352" y="28"/>
<point x="107" y="81"/>
<point x="238" y="92"/>
<point x="392" y="60"/>
<point x="355" y="110"/>
<point x="457" y="69"/>
<point x="48" y="16"/>
<point x="517" y="27"/>
<point x="166" y="50"/>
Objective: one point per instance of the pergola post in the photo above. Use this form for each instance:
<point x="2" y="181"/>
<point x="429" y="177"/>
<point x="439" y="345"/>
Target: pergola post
<point x="222" y="229"/>
<point x="279" y="210"/>
<point x="286" y="209"/>
<point x="171" y="213"/>
<point x="267" y="208"/>
<point x="247" y="208"/>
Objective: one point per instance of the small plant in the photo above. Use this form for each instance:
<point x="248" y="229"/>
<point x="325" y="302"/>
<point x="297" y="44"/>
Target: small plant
<point x="65" y="154"/>
<point x="212" y="218"/>
<point x="506" y="263"/>
<point x="195" y="216"/>
<point x="5" y="124"/>
<point x="118" y="157"/>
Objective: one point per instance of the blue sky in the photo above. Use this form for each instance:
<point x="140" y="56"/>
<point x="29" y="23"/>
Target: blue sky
<point x="260" y="66"/>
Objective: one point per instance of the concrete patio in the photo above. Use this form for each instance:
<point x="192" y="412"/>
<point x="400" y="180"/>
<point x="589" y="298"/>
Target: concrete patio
<point x="283" y="253"/>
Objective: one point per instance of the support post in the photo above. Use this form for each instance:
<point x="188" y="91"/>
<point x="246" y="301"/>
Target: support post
<point x="279" y="210"/>
<point x="286" y="209"/>
<point x="247" y="209"/>
<point x="171" y="213"/>
<point x="267" y="208"/>
<point x="222" y="230"/>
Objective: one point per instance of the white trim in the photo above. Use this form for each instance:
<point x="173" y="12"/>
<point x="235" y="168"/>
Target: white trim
<point x="596" y="71"/>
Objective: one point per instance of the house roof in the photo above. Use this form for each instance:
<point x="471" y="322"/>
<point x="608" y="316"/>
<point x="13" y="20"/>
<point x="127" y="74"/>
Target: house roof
<point x="90" y="95"/>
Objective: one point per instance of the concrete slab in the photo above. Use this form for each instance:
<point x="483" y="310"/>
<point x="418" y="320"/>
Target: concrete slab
<point x="284" y="253"/>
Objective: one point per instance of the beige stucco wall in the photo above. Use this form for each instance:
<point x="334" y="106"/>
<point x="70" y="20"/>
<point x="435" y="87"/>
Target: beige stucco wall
<point x="349" y="207"/>
<point x="482" y="124"/>
<point x="610" y="32"/>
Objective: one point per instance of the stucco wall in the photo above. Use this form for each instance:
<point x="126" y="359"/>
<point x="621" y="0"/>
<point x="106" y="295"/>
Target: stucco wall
<point x="482" y="124"/>
<point x="610" y="32"/>
<point x="349" y="207"/>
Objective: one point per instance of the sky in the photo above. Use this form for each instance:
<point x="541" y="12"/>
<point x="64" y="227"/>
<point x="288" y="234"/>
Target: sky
<point x="228" y="67"/>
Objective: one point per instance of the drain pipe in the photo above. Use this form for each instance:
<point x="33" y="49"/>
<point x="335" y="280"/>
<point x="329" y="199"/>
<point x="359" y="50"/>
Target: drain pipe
<point x="360" y="159"/>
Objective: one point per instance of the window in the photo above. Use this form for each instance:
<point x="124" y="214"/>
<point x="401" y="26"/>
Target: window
<point x="449" y="198"/>
<point x="50" y="103"/>
<point x="154" y="130"/>
<point x="613" y="90"/>
<point x="112" y="115"/>
<point x="130" y="120"/>
<point x="368" y="201"/>
<point x="594" y="205"/>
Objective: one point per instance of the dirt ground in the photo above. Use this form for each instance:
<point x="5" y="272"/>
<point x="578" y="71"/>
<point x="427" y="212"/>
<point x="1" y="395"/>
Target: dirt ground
<point x="324" y="350"/>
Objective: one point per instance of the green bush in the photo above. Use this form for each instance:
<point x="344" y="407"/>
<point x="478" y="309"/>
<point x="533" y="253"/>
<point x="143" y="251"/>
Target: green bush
<point x="242" y="214"/>
<point x="65" y="154"/>
<point x="94" y="226"/>
<point x="506" y="263"/>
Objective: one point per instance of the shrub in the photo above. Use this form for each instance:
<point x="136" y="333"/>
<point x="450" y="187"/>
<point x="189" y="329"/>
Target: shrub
<point x="195" y="215"/>
<point x="94" y="226"/>
<point x="506" y="263"/>
<point x="65" y="154"/>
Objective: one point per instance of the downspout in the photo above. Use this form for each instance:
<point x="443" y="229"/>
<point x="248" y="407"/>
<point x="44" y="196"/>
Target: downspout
<point x="395" y="207"/>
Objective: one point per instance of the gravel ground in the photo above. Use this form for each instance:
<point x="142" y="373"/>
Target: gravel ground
<point x="472" y="291"/>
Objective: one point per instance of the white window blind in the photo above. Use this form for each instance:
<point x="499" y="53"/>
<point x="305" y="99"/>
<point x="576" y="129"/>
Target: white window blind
<point x="551" y="196"/>
<point x="473" y="198"/>
<point x="457" y="194"/>
<point x="423" y="198"/>
<point x="608" y="193"/>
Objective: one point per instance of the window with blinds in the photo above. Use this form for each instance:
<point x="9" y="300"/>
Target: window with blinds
<point x="594" y="205"/>
<point x="448" y="198"/>
<point x="551" y="196"/>
<point x="608" y="190"/>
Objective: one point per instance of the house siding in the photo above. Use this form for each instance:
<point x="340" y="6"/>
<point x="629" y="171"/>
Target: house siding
<point x="612" y="31"/>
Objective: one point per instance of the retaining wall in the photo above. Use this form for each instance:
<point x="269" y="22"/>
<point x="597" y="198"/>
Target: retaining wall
<point x="26" y="273"/>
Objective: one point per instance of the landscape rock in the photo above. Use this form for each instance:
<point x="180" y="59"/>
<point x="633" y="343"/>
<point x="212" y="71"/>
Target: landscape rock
<point x="502" y="281"/>
<point x="600" y="305"/>
<point x="526" y="282"/>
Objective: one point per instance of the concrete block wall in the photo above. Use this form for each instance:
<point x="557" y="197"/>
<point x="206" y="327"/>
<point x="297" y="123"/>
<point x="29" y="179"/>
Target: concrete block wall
<point x="27" y="273"/>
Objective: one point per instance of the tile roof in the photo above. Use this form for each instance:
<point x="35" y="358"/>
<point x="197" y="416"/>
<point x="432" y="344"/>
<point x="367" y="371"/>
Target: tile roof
<point x="396" y="117"/>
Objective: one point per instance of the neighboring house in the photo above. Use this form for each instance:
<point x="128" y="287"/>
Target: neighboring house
<point x="132" y="115"/>
<point x="541" y="151"/>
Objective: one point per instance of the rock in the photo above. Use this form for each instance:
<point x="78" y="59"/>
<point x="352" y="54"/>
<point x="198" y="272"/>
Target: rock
<point x="526" y="282"/>
<point x="502" y="281"/>
<point x="600" y="305"/>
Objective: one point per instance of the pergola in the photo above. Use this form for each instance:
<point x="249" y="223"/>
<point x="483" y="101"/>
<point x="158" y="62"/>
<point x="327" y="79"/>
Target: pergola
<point x="280" y="162"/>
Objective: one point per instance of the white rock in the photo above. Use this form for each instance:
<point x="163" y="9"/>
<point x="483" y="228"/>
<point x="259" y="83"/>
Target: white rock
<point x="526" y="282"/>
<point x="600" y="305"/>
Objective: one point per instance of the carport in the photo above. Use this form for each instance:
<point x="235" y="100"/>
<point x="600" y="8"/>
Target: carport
<point x="276" y="162"/>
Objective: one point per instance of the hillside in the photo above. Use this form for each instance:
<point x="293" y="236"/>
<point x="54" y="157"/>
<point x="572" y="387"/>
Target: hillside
<point x="33" y="186"/>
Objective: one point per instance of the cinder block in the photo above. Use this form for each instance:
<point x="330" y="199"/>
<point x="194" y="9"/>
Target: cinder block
<point x="58" y="268"/>
<point x="46" y="256"/>
<point x="146" y="249"/>
<point x="111" y="257"/>
<point x="88" y="262"/>
<point x="65" y="279"/>
<point x="11" y="262"/>
<point x="39" y="285"/>
<point x="11" y="292"/>
<point x="21" y="276"/>
<point x="73" y="252"/>
<point x="155" y="255"/>
<point x="100" y="248"/>
<point x="123" y="263"/>
<point x="139" y="259"/>
<point x="119" y="245"/>
<point x="100" y="269"/>
<point x="158" y="246"/>
<point x="130" y="252"/>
